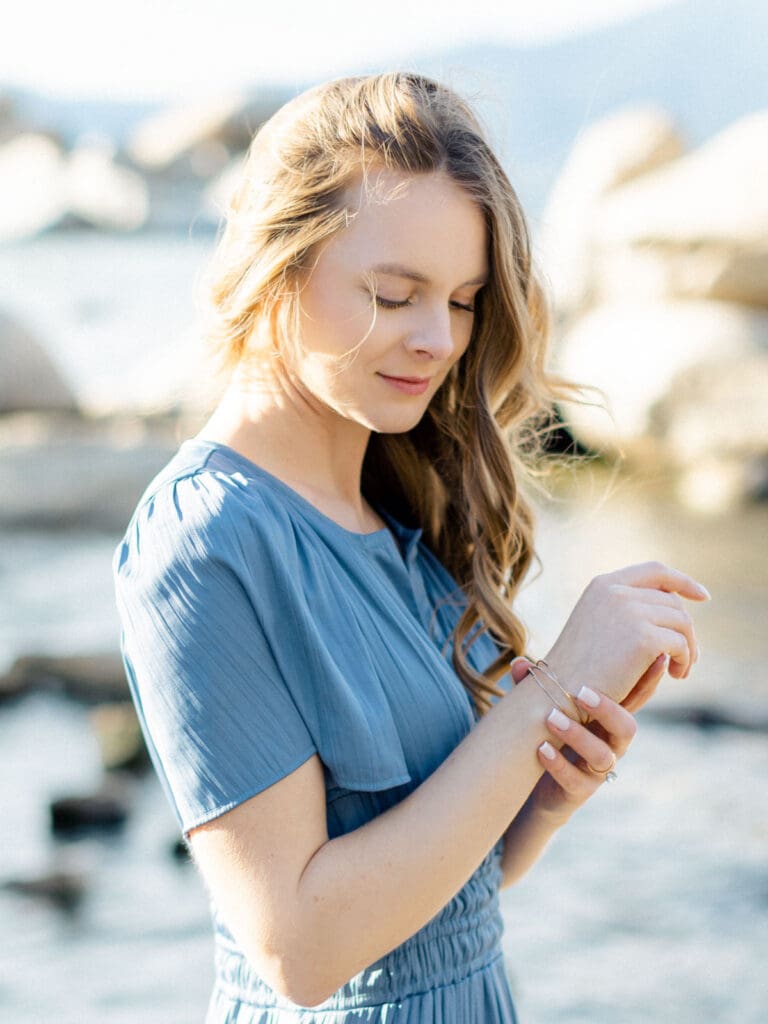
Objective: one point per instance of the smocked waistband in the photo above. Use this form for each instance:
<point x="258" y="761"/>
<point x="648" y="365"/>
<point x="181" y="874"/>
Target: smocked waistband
<point x="464" y="937"/>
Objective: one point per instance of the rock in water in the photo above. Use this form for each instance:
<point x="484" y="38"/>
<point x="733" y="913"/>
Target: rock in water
<point x="693" y="228"/>
<point x="203" y="133"/>
<point x="32" y="191"/>
<point x="102" y="193"/>
<point x="64" y="889"/>
<point x="57" y="471"/>
<point x="98" y="812"/>
<point x="638" y="353"/>
<point x="179" y="850"/>
<point x="29" y="380"/>
<point x="120" y="739"/>
<point x="92" y="678"/>
<point x="607" y="154"/>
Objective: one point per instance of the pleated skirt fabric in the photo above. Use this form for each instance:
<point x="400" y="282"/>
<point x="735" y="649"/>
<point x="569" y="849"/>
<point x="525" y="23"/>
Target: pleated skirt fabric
<point x="483" y="997"/>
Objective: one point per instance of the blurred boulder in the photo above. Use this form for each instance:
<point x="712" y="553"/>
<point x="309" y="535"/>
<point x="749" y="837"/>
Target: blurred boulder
<point x="43" y="187"/>
<point x="714" y="422"/>
<point x="119" y="737"/>
<point x="180" y="150"/>
<point x="199" y="138"/>
<point x="63" y="889"/>
<point x="180" y="851"/>
<point x="91" y="678"/>
<point x="100" y="192"/>
<point x="717" y="484"/>
<point x="32" y="186"/>
<point x="718" y="405"/>
<point x="217" y="194"/>
<point x="662" y="298"/>
<point x="696" y="227"/>
<point x="607" y="154"/>
<point x="10" y="124"/>
<point x="174" y="379"/>
<point x="640" y="355"/>
<point x="28" y="377"/>
<point x="708" y="718"/>
<point x="63" y="471"/>
<point x="103" y="811"/>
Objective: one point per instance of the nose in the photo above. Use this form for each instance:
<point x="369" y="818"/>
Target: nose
<point x="433" y="337"/>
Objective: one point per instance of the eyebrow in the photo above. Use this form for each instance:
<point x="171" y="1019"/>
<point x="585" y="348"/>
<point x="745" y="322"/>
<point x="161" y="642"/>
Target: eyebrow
<point x="400" y="270"/>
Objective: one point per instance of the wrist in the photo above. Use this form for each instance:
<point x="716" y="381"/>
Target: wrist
<point x="548" y="817"/>
<point x="527" y="673"/>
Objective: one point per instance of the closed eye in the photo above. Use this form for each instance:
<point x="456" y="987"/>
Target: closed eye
<point x="391" y="304"/>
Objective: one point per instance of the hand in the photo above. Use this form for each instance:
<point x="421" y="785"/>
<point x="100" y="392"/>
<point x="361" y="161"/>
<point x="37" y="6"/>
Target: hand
<point x="620" y="628"/>
<point x="574" y="773"/>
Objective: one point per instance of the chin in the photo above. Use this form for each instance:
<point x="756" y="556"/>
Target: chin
<point x="395" y="424"/>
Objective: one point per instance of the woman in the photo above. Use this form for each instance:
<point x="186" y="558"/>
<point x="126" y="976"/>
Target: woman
<point x="317" y="590"/>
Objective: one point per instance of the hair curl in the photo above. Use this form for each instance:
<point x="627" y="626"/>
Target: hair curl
<point x="458" y="472"/>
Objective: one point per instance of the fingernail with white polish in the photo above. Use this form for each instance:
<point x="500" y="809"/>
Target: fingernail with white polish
<point x="588" y="697"/>
<point x="547" y="750"/>
<point x="558" y="719"/>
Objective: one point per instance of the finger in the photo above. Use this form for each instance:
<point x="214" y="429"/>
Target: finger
<point x="661" y="577"/>
<point x="519" y="668"/>
<point x="669" y="641"/>
<point x="595" y="751"/>
<point x="679" y="621"/>
<point x="577" y="782"/>
<point x="646" y="685"/>
<point x="666" y="610"/>
<point x="653" y="595"/>
<point x="619" y="725"/>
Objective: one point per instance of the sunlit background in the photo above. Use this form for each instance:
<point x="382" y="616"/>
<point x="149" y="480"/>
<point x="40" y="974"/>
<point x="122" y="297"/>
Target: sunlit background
<point x="636" y="134"/>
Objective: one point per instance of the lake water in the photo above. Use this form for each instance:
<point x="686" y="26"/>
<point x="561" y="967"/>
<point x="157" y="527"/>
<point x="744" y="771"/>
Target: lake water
<point x="652" y="906"/>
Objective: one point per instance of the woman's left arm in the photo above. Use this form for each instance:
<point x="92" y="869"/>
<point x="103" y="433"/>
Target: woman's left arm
<point x="576" y="762"/>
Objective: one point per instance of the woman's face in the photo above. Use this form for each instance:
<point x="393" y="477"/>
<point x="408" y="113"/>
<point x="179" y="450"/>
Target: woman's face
<point x="421" y="243"/>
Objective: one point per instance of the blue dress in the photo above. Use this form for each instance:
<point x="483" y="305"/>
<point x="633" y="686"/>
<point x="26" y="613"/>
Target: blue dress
<point x="256" y="631"/>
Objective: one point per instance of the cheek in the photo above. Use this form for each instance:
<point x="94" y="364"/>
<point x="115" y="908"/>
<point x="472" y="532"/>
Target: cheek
<point x="463" y="336"/>
<point x="332" y="324"/>
<point x="332" y="377"/>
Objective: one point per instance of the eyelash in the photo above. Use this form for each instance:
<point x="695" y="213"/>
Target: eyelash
<point x="389" y="304"/>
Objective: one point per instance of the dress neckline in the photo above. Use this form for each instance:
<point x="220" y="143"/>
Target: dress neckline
<point x="407" y="536"/>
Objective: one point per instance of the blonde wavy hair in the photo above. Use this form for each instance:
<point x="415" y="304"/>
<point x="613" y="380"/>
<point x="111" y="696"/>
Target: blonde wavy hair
<point x="458" y="473"/>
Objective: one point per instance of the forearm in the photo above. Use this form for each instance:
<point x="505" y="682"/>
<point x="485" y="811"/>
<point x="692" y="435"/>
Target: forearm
<point x="373" y="888"/>
<point x="525" y="840"/>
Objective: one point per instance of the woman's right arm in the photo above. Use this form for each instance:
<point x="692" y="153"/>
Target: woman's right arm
<point x="310" y="912"/>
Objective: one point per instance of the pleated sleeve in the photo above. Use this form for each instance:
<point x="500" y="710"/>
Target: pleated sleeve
<point x="219" y="720"/>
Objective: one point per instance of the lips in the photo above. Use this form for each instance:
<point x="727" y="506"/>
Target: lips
<point x="408" y="385"/>
<point x="407" y="380"/>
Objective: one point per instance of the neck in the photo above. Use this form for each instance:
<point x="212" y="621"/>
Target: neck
<point x="310" y="447"/>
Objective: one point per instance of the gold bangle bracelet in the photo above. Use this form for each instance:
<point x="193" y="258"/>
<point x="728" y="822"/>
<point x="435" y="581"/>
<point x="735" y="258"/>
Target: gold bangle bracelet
<point x="543" y="688"/>
<point x="583" y="716"/>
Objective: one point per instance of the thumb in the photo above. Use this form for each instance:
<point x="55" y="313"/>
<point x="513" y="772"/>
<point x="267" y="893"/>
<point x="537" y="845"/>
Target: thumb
<point x="518" y="668"/>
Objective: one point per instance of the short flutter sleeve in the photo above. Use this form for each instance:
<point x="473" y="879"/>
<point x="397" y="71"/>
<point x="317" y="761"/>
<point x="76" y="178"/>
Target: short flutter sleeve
<point x="220" y="722"/>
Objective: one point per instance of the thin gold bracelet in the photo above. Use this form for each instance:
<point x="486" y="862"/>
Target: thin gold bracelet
<point x="582" y="715"/>
<point x="542" y="687"/>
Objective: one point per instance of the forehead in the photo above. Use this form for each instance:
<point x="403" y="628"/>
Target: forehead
<point x="425" y="220"/>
